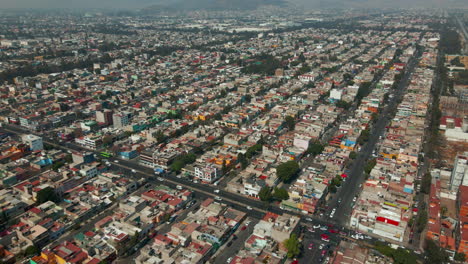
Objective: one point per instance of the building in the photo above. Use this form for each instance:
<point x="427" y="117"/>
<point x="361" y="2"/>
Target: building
<point x="121" y="119"/>
<point x="104" y="117"/>
<point x="35" y="143"/>
<point x="207" y="173"/>
<point x="460" y="169"/>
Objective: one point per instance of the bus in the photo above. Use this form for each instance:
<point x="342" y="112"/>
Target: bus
<point x="106" y="154"/>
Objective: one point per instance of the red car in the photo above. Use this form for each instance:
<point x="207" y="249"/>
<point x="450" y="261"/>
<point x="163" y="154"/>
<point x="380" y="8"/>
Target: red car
<point x="324" y="252"/>
<point x="325" y="237"/>
<point x="311" y="245"/>
<point x="334" y="231"/>
<point x="243" y="228"/>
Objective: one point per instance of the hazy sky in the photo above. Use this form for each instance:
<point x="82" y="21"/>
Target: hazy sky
<point x="143" y="3"/>
<point x="74" y="3"/>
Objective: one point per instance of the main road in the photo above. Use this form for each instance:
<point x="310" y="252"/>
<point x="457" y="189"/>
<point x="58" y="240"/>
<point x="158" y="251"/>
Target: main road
<point x="350" y="188"/>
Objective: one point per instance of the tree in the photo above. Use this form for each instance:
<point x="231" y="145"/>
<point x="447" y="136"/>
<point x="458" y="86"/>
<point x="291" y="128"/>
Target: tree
<point x="456" y="62"/>
<point x="177" y="165"/>
<point x="352" y="155"/>
<point x="107" y="140"/>
<point x="343" y="104"/>
<point x="31" y="250"/>
<point x="421" y="221"/>
<point x="132" y="94"/>
<point x="287" y="170"/>
<point x="293" y="246"/>
<point x="242" y="160"/>
<point x="370" y="165"/>
<point x="315" y="149"/>
<point x="290" y="122"/>
<point x="460" y="257"/>
<point x="426" y="183"/>
<point x="280" y="194"/>
<point x="265" y="194"/>
<point x="435" y="254"/>
<point x="47" y="194"/>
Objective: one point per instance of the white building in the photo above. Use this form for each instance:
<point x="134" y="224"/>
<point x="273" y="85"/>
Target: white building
<point x="35" y="143"/>
<point x="121" y="119"/>
<point x="208" y="173"/>
<point x="460" y="169"/>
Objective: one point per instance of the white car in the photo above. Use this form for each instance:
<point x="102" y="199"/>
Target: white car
<point x="229" y="260"/>
<point x="179" y="187"/>
<point x="160" y="179"/>
<point x="217" y="198"/>
<point x="216" y="191"/>
<point x="133" y="171"/>
<point x="116" y="161"/>
<point x="309" y="219"/>
<point x="195" y="181"/>
<point x="316" y="226"/>
<point x="321" y="246"/>
<point x="249" y="208"/>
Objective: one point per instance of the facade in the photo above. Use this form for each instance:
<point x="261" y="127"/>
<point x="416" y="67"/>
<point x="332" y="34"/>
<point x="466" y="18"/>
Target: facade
<point x="35" y="143"/>
<point x="121" y="119"/>
<point x="207" y="173"/>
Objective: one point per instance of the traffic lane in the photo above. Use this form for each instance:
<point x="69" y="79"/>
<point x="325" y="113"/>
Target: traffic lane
<point x="237" y="244"/>
<point x="356" y="175"/>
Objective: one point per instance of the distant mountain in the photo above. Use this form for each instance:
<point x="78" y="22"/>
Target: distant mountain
<point x="212" y="4"/>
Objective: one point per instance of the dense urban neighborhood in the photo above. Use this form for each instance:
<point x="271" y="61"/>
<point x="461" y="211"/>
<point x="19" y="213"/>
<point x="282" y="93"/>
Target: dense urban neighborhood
<point x="244" y="137"/>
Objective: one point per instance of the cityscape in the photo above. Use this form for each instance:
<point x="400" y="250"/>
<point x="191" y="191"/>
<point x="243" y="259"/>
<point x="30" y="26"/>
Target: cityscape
<point x="244" y="133"/>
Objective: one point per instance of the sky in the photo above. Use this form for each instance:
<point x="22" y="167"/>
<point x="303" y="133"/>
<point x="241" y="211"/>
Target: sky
<point x="132" y="4"/>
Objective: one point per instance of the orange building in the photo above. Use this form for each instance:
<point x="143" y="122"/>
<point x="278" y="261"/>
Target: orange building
<point x="463" y="197"/>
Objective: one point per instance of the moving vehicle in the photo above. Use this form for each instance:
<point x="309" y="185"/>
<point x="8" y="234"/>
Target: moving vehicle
<point x="325" y="237"/>
<point x="311" y="245"/>
<point x="216" y="191"/>
<point x="105" y="154"/>
<point x="217" y="198"/>
<point x="178" y="187"/>
<point x="249" y="208"/>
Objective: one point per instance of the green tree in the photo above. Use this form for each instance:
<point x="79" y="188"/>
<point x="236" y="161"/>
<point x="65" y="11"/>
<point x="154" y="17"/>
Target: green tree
<point x="293" y="246"/>
<point x="435" y="254"/>
<point x="460" y="257"/>
<point x="265" y="194"/>
<point x="32" y="251"/>
<point x="421" y="221"/>
<point x="242" y="160"/>
<point x="287" y="170"/>
<point x="370" y="165"/>
<point x="426" y="183"/>
<point x="290" y="123"/>
<point x="46" y="194"/>
<point x="315" y="149"/>
<point x="280" y="194"/>
<point x="107" y="140"/>
<point x="343" y="104"/>
<point x="352" y="155"/>
<point x="177" y="165"/>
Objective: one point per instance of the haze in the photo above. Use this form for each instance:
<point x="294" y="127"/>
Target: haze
<point x="135" y="4"/>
